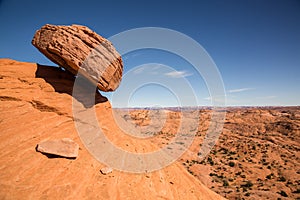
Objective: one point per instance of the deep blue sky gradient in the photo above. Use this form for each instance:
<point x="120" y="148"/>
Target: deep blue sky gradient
<point x="254" y="43"/>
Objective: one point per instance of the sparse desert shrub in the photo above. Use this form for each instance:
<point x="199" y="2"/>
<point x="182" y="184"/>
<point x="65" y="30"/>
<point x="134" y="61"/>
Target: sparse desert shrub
<point x="231" y="164"/>
<point x="289" y="183"/>
<point x="202" y="162"/>
<point x="191" y="172"/>
<point x="247" y="194"/>
<point x="210" y="161"/>
<point x="213" y="174"/>
<point x="281" y="179"/>
<point x="220" y="176"/>
<point x="214" y="152"/>
<point x="269" y="176"/>
<point x="297" y="191"/>
<point x="225" y="183"/>
<point x="196" y="162"/>
<point x="248" y="184"/>
<point x="223" y="150"/>
<point x="238" y="173"/>
<point x="283" y="193"/>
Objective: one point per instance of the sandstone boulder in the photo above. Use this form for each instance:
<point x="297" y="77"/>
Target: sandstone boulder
<point x="62" y="147"/>
<point x="77" y="47"/>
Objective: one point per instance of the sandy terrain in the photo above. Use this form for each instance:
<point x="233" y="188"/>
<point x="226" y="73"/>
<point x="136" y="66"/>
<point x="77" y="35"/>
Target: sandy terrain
<point x="256" y="156"/>
<point x="35" y="105"/>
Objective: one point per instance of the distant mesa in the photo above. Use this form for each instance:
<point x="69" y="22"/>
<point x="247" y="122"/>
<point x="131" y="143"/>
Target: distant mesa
<point x="77" y="47"/>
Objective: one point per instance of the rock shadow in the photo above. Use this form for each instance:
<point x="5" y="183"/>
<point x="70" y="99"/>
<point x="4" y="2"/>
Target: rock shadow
<point x="63" y="81"/>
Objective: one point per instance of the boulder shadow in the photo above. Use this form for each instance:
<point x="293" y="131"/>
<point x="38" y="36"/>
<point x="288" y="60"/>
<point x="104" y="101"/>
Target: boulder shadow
<point x="63" y="82"/>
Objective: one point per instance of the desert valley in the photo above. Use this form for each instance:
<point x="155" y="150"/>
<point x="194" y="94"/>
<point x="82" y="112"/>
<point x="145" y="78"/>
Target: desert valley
<point x="256" y="156"/>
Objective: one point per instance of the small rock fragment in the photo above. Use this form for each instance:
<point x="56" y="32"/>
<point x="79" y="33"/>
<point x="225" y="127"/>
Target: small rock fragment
<point x="65" y="147"/>
<point x="106" y="170"/>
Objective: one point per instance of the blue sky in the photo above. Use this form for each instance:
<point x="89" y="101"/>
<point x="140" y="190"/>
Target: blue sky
<point x="255" y="44"/>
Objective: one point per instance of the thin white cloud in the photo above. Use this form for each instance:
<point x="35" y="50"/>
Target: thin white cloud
<point x="157" y="66"/>
<point x="207" y="98"/>
<point x="178" y="74"/>
<point x="132" y="55"/>
<point x="240" y="90"/>
<point x="150" y="69"/>
<point x="138" y="70"/>
<point x="267" y="97"/>
<point x="219" y="98"/>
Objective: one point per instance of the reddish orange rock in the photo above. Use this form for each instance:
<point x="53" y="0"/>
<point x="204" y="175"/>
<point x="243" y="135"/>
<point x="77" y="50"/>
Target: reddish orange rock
<point x="65" y="147"/>
<point x="35" y="106"/>
<point x="77" y="47"/>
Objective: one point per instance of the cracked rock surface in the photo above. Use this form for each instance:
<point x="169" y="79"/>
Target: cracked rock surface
<point x="64" y="147"/>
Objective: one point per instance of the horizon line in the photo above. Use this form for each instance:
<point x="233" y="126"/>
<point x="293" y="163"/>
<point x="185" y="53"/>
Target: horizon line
<point x="231" y="106"/>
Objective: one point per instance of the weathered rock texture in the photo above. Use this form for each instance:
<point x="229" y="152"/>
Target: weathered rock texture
<point x="65" y="147"/>
<point x="36" y="105"/>
<point x="77" y="47"/>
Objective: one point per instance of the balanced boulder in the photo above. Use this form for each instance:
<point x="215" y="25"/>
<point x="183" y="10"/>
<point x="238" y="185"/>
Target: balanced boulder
<point x="77" y="48"/>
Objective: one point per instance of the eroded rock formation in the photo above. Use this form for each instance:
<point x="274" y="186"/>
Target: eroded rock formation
<point x="77" y="47"/>
<point x="36" y="105"/>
